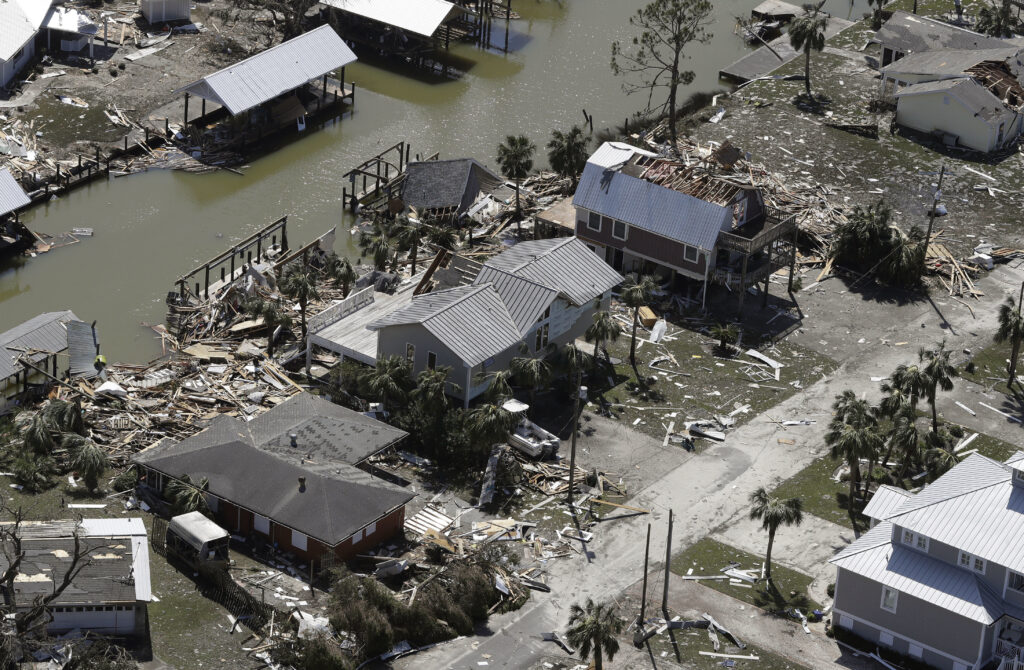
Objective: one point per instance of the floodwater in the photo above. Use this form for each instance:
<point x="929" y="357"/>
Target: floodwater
<point x="151" y="228"/>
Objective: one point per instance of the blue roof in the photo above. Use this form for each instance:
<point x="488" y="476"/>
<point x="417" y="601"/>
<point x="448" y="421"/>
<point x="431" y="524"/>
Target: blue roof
<point x="657" y="209"/>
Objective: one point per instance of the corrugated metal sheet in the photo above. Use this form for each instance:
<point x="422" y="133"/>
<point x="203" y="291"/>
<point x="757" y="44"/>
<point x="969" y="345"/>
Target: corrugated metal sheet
<point x="920" y="576"/>
<point x="19" y="22"/>
<point x="525" y="300"/>
<point x="659" y="210"/>
<point x="885" y="500"/>
<point x="82" y="345"/>
<point x="277" y="70"/>
<point x="45" y="332"/>
<point x="908" y="33"/>
<point x="12" y="196"/>
<point x="614" y="154"/>
<point x="422" y="17"/>
<point x="564" y="264"/>
<point x="946" y="62"/>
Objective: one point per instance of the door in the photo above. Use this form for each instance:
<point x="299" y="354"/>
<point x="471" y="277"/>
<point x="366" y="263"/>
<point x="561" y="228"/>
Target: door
<point x="617" y="260"/>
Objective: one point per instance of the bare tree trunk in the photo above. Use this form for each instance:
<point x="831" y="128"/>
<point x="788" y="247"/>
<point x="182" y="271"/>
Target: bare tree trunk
<point x="598" y="656"/>
<point x="672" y="90"/>
<point x="807" y="70"/>
<point x="768" y="555"/>
<point x="1014" y="353"/>
<point x="935" y="415"/>
<point x="632" y="345"/>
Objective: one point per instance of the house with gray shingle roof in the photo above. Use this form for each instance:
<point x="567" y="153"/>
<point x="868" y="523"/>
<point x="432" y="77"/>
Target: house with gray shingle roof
<point x="42" y="341"/>
<point x="537" y="293"/>
<point x="905" y="33"/>
<point x="940" y="575"/>
<point x="647" y="214"/>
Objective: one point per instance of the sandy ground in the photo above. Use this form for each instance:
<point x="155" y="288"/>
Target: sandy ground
<point x="710" y="491"/>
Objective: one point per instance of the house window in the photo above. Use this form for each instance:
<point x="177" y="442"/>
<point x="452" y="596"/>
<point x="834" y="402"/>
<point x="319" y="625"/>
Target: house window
<point x="972" y="562"/>
<point x="594" y="222"/>
<point x="370" y="530"/>
<point x="542" y="338"/>
<point x="18" y="55"/>
<point x="1016" y="581"/>
<point x="690" y="254"/>
<point x="619" y="230"/>
<point x="915" y="651"/>
<point x="885" y="639"/>
<point x="410" y="352"/>
<point x="545" y="315"/>
<point x="1019" y="475"/>
<point x="298" y="540"/>
<point x="261" y="524"/>
<point x="915" y="540"/>
<point x="889" y="598"/>
<point x="431" y="360"/>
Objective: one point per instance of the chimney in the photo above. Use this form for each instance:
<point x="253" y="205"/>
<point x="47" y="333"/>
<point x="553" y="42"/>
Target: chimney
<point x="302" y="484"/>
<point x="295" y="439"/>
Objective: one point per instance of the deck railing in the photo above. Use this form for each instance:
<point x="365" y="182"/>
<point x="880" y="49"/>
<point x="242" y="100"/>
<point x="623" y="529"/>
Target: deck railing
<point x="354" y="302"/>
<point x="778" y="224"/>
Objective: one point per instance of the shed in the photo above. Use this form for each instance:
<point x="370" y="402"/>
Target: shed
<point x="161" y="11"/>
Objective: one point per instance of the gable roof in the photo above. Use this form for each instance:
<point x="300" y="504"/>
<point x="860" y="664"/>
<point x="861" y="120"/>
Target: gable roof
<point x="613" y="154"/>
<point x="12" y="196"/>
<point x="329" y="509"/>
<point x="564" y="264"/>
<point x="947" y="61"/>
<point x="445" y="184"/>
<point x="472" y="321"/>
<point x="422" y="17"/>
<point x="277" y="70"/>
<point x="656" y="209"/>
<point x="918" y="575"/>
<point x="19" y="22"/>
<point x="524" y="299"/>
<point x="911" y="33"/>
<point x="46" y="332"/>
<point x="884" y="501"/>
<point x="973" y="96"/>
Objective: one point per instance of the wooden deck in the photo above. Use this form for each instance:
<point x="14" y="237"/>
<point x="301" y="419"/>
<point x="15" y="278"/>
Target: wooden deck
<point x="762" y="61"/>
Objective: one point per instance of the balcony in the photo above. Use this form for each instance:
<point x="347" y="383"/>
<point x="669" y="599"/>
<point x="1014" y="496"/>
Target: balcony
<point x="756" y="236"/>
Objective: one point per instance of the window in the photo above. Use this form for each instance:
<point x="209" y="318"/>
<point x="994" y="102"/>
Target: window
<point x="845" y="622"/>
<point x="885" y="639"/>
<point x="1018" y="475"/>
<point x="370" y="530"/>
<point x="542" y="338"/>
<point x="1016" y="581"/>
<point x="915" y="540"/>
<point x="18" y="55"/>
<point x="261" y="524"/>
<point x="431" y="360"/>
<point x="410" y="352"/>
<point x="690" y="254"/>
<point x="619" y="230"/>
<point x="915" y="651"/>
<point x="594" y="222"/>
<point x="972" y="562"/>
<point x="298" y="540"/>
<point x="889" y="598"/>
<point x="545" y="315"/>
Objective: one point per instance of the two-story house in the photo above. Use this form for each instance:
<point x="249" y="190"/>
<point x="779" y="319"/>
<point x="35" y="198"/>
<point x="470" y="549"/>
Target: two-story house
<point x="653" y="215"/>
<point x="940" y="575"/>
<point x="536" y="293"/>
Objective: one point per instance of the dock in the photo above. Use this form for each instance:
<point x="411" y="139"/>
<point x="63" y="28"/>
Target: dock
<point x="776" y="10"/>
<point x="762" y="61"/>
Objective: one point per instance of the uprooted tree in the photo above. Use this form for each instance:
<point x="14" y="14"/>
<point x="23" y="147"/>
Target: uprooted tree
<point x="870" y="243"/>
<point x="291" y="13"/>
<point x="653" y="60"/>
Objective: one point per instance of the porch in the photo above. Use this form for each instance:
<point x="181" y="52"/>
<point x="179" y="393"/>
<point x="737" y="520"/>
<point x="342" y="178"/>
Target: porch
<point x="749" y="254"/>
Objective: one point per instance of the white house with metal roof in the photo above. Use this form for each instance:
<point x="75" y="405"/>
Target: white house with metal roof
<point x="536" y="293"/>
<point x="20" y="21"/>
<point x="940" y="575"/>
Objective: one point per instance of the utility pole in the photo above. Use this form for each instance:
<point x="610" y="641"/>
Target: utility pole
<point x="575" y="428"/>
<point x="640" y="636"/>
<point x="931" y="219"/>
<point x="668" y="567"/>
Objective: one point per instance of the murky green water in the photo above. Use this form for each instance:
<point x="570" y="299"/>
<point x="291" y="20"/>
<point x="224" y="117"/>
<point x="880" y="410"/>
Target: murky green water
<point x="151" y="228"/>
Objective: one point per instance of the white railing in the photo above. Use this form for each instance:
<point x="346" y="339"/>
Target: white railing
<point x="1011" y="656"/>
<point x="354" y="302"/>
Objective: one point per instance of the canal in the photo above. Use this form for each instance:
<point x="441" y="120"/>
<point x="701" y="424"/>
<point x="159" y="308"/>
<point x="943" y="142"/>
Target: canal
<point x="152" y="227"/>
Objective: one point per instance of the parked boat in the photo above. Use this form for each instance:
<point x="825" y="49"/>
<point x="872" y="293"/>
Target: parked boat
<point x="528" y="437"/>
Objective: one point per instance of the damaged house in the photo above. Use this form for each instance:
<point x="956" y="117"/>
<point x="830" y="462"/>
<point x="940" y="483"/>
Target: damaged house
<point x="650" y="215"/>
<point x="446" y="190"/>
<point x="13" y="234"/>
<point x="294" y="478"/>
<point x="972" y="99"/>
<point x="940" y="575"/>
<point x="905" y="33"/>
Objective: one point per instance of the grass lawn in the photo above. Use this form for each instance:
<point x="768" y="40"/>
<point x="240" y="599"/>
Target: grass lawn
<point x="700" y="384"/>
<point x="708" y="557"/>
<point x="990" y="367"/>
<point x="691" y="642"/>
<point x="828" y="499"/>
<point x="186" y="629"/>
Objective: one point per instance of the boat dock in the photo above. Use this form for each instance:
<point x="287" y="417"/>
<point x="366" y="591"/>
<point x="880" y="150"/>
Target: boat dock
<point x="764" y="60"/>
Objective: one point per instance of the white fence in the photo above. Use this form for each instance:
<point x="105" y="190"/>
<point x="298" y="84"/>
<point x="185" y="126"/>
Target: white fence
<point x="335" y="313"/>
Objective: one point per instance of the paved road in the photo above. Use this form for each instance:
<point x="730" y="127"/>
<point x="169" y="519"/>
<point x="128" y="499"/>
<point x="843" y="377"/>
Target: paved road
<point x="711" y="490"/>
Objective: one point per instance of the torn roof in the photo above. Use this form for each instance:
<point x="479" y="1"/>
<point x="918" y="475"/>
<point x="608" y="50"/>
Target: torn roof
<point x="975" y="97"/>
<point x="45" y="333"/>
<point x="910" y="33"/>
<point x="20" y="20"/>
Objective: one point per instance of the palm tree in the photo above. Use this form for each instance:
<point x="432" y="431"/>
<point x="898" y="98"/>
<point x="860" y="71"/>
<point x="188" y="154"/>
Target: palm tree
<point x="807" y="33"/>
<point x="61" y="416"/>
<point x="390" y="381"/>
<point x="567" y="153"/>
<point x="431" y="392"/>
<point x="88" y="459"/>
<point x="499" y="385"/>
<point x="489" y="423"/>
<point x="37" y="437"/>
<point x="905" y="438"/>
<point x="186" y="496"/>
<point x="604" y="329"/>
<point x="273" y="316"/>
<point x="592" y="628"/>
<point x="341" y="272"/>
<point x="772" y="513"/>
<point x="636" y="294"/>
<point x="409" y="236"/>
<point x="568" y="359"/>
<point x="442" y="236"/>
<point x="1011" y="329"/>
<point x="33" y="470"/>
<point x="515" y="156"/>
<point x="940" y="373"/>
<point x="996" y="21"/>
<point x="911" y="381"/>
<point x="940" y="460"/>
<point x="852" y="435"/>
<point x="726" y="334"/>
<point x="300" y="284"/>
<point x="378" y="244"/>
<point x="533" y="373"/>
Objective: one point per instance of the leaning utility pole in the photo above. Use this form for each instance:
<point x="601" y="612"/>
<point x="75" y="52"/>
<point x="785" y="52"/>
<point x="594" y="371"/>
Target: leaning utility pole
<point x="575" y="428"/>
<point x="640" y="636"/>
<point x="931" y="219"/>
<point x="668" y="567"/>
